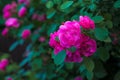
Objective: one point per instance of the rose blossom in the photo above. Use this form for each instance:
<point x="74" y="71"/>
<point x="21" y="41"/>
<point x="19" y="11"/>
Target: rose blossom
<point x="7" y="8"/>
<point x="2" y="67"/>
<point x="26" y="33"/>
<point x="12" y="22"/>
<point x="88" y="46"/>
<point x="22" y="12"/>
<point x="69" y="34"/>
<point x="7" y="15"/>
<point x="5" y="31"/>
<point x="73" y="56"/>
<point x="86" y="22"/>
<point x="55" y="43"/>
<point x="41" y="17"/>
<point x="42" y="39"/>
<point x="78" y="78"/>
<point x="9" y="78"/>
<point x="3" y="64"/>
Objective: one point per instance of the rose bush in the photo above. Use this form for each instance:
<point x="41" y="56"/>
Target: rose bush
<point x="67" y="39"/>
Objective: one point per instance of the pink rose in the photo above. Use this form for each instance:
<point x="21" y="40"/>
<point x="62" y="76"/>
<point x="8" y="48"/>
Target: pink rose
<point x="73" y="56"/>
<point x="26" y="33"/>
<point x="5" y="31"/>
<point x="69" y="34"/>
<point x="22" y="12"/>
<point x="78" y="78"/>
<point x="12" y="22"/>
<point x="7" y="8"/>
<point x="41" y="17"/>
<point x="88" y="46"/>
<point x="55" y="43"/>
<point x="9" y="78"/>
<point x="3" y="64"/>
<point x="86" y="22"/>
<point x="2" y="67"/>
<point x="13" y="5"/>
<point x="7" y="15"/>
<point x="35" y="16"/>
<point x="42" y="39"/>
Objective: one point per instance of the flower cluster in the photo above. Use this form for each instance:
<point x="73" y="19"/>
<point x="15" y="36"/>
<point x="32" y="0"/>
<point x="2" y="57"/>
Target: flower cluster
<point x="70" y="36"/>
<point x="38" y="17"/>
<point x="3" y="64"/>
<point x="9" y="12"/>
<point x="9" y="9"/>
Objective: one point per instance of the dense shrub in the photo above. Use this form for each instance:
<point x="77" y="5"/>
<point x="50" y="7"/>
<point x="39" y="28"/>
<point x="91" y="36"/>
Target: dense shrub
<point x="83" y="33"/>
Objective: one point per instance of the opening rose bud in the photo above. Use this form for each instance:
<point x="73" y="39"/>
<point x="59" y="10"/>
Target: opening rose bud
<point x="5" y="31"/>
<point x="22" y="12"/>
<point x="26" y="33"/>
<point x="86" y="22"/>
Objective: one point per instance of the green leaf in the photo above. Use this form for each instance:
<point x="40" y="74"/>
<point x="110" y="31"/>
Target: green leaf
<point x="12" y="67"/>
<point x="103" y="54"/>
<point x="107" y="40"/>
<point x="99" y="70"/>
<point x="82" y="68"/>
<point x="89" y="75"/>
<point x="59" y="67"/>
<point x="98" y="19"/>
<point x="51" y="29"/>
<point x="109" y="24"/>
<point x="117" y="76"/>
<point x="49" y="4"/>
<point x="4" y="56"/>
<point x="31" y="11"/>
<point x="36" y="64"/>
<point x="60" y="57"/>
<point x="89" y="64"/>
<point x="13" y="46"/>
<point x="117" y="4"/>
<point x="24" y="62"/>
<point x="2" y="21"/>
<point x="57" y="1"/>
<point x="66" y="4"/>
<point x="92" y="7"/>
<point x="50" y="14"/>
<point x="101" y="33"/>
<point x="69" y="65"/>
<point x="72" y="49"/>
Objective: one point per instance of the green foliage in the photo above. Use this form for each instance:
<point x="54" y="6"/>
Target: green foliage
<point x="103" y="54"/>
<point x="40" y="63"/>
<point x="89" y="64"/>
<point x="66" y="4"/>
<point x="117" y="76"/>
<point x="99" y="70"/>
<point x="98" y="19"/>
<point x="60" y="57"/>
<point x="117" y="4"/>
<point x="101" y="33"/>
<point x="49" y="4"/>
